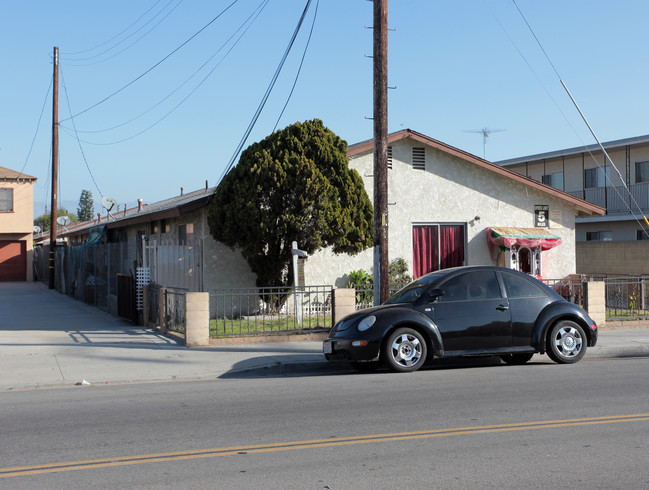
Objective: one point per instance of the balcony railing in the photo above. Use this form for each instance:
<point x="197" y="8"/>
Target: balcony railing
<point x="617" y="200"/>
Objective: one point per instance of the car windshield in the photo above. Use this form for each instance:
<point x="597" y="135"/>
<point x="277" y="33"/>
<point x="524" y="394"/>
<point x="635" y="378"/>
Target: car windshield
<point x="413" y="291"/>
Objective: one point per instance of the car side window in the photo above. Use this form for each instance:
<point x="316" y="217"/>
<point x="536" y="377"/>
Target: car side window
<point x="471" y="286"/>
<point x="520" y="287"/>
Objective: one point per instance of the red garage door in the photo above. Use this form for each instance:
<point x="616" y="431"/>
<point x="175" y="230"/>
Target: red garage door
<point x="13" y="261"/>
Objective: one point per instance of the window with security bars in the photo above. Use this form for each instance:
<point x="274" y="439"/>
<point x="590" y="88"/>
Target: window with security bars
<point x="419" y="158"/>
<point x="389" y="157"/>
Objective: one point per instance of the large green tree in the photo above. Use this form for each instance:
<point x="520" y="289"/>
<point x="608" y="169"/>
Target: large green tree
<point x="86" y="209"/>
<point x="295" y="185"/>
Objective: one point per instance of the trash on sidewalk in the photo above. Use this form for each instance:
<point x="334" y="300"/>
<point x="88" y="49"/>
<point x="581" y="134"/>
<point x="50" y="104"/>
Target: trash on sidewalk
<point x="82" y="383"/>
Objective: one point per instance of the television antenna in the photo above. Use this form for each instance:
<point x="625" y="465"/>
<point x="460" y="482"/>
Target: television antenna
<point x="109" y="204"/>
<point x="485" y="132"/>
<point x="37" y="229"/>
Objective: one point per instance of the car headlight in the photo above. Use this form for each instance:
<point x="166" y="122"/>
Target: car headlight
<point x="366" y="323"/>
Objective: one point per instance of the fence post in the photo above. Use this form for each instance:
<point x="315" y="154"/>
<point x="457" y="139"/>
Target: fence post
<point x="596" y="301"/>
<point x="162" y="310"/>
<point x="197" y="319"/>
<point x="343" y="303"/>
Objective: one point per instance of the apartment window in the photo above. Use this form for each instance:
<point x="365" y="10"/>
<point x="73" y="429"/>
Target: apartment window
<point x="389" y="157"/>
<point x="641" y="172"/>
<point x="599" y="236"/>
<point x="641" y="235"/>
<point x="419" y="158"/>
<point x="596" y="177"/>
<point x="6" y="200"/>
<point x="555" y="180"/>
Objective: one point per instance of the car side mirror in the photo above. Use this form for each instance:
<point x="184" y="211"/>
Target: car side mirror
<point x="433" y="294"/>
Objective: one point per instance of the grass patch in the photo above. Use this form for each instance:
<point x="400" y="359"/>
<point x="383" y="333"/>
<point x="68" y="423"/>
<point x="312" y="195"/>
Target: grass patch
<point x="227" y="327"/>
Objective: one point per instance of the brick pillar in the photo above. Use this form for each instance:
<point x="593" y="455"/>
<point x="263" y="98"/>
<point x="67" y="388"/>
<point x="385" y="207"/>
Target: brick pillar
<point x="596" y="301"/>
<point x="344" y="303"/>
<point x="197" y="319"/>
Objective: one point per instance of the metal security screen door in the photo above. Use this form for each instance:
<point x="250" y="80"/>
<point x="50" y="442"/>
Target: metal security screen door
<point x="437" y="247"/>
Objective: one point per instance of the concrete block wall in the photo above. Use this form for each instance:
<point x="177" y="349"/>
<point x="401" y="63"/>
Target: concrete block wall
<point x="613" y="258"/>
<point x="344" y="303"/>
<point x="197" y="319"/>
<point x="596" y="301"/>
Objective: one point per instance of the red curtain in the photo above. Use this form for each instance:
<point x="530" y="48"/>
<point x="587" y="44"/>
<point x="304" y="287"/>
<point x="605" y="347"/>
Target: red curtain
<point x="431" y="254"/>
<point x="425" y="250"/>
<point x="452" y="246"/>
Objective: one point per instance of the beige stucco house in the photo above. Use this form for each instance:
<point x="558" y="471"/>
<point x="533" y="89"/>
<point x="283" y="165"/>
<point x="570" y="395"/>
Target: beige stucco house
<point x="16" y="225"/>
<point x="446" y="204"/>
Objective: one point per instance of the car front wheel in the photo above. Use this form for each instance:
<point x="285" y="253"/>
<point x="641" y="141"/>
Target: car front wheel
<point x="566" y="342"/>
<point x="405" y="350"/>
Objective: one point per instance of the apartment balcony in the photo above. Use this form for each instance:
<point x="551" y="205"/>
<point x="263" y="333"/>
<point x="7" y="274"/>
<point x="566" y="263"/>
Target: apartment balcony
<point x="617" y="200"/>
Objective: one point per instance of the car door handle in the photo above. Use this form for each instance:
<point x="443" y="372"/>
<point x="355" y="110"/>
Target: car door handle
<point x="502" y="308"/>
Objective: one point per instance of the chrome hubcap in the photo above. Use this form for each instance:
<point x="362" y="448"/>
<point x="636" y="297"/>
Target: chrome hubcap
<point x="407" y="350"/>
<point x="568" y="342"/>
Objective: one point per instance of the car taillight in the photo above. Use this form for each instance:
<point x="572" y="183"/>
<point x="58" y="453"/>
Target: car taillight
<point x="593" y="327"/>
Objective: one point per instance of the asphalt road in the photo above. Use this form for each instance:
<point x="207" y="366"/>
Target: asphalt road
<point x="467" y="426"/>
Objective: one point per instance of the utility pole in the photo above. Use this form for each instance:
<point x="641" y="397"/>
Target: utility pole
<point x="55" y="166"/>
<point x="381" y="286"/>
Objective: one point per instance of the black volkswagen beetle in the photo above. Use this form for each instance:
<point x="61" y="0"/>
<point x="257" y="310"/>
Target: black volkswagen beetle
<point x="463" y="311"/>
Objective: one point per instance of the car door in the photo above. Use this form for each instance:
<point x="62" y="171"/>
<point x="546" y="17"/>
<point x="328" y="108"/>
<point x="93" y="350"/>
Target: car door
<point x="472" y="314"/>
<point x="526" y="301"/>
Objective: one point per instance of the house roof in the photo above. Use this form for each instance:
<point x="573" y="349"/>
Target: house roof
<point x="168" y="208"/>
<point x="609" y="145"/>
<point x="8" y="174"/>
<point x="584" y="208"/>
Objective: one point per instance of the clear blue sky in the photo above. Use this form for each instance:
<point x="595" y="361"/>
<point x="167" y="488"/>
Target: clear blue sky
<point x="453" y="66"/>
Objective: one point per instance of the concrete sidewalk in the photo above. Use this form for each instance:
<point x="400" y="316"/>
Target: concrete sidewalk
<point x="50" y="340"/>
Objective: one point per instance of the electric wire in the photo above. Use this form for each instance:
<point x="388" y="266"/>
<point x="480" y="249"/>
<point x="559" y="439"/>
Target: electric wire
<point x="297" y="75"/>
<point x="254" y="15"/>
<point x="67" y="98"/>
<point x="608" y="158"/>
<point x="266" y="95"/>
<point x="72" y="53"/>
<point x="123" y="40"/>
<point x="156" y="64"/>
<point x="38" y="125"/>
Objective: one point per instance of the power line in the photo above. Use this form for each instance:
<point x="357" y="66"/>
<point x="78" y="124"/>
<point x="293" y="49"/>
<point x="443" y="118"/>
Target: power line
<point x="119" y="34"/>
<point x="65" y="89"/>
<point x="297" y="75"/>
<point x="155" y="65"/>
<point x="247" y="24"/>
<point x="127" y="37"/>
<point x="31" y="147"/>
<point x="606" y="155"/>
<point x="266" y="95"/>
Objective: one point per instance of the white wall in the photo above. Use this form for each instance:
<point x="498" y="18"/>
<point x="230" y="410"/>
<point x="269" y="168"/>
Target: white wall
<point x="451" y="190"/>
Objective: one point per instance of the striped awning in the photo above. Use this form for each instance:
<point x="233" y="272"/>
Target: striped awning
<point x="507" y="237"/>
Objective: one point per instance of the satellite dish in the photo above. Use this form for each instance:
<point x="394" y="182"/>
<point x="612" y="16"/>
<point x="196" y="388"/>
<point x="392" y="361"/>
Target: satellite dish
<point x="63" y="220"/>
<point x="37" y="229"/>
<point x="109" y="203"/>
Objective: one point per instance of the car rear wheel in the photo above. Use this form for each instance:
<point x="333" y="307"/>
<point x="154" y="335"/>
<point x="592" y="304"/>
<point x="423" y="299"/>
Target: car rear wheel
<point x="566" y="342"/>
<point x="405" y="350"/>
<point x="516" y="358"/>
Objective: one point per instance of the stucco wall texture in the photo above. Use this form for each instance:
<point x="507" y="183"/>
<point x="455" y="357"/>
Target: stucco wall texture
<point x="449" y="191"/>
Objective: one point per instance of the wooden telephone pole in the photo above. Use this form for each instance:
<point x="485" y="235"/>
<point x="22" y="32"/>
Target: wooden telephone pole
<point x="381" y="286"/>
<point x="55" y="166"/>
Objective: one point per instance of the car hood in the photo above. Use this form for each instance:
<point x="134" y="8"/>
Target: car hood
<point x="374" y="310"/>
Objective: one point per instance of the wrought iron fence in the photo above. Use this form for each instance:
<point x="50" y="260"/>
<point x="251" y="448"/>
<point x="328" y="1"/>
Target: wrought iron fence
<point x="264" y="311"/>
<point x="365" y="294"/>
<point x="627" y="298"/>
<point x="571" y="288"/>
